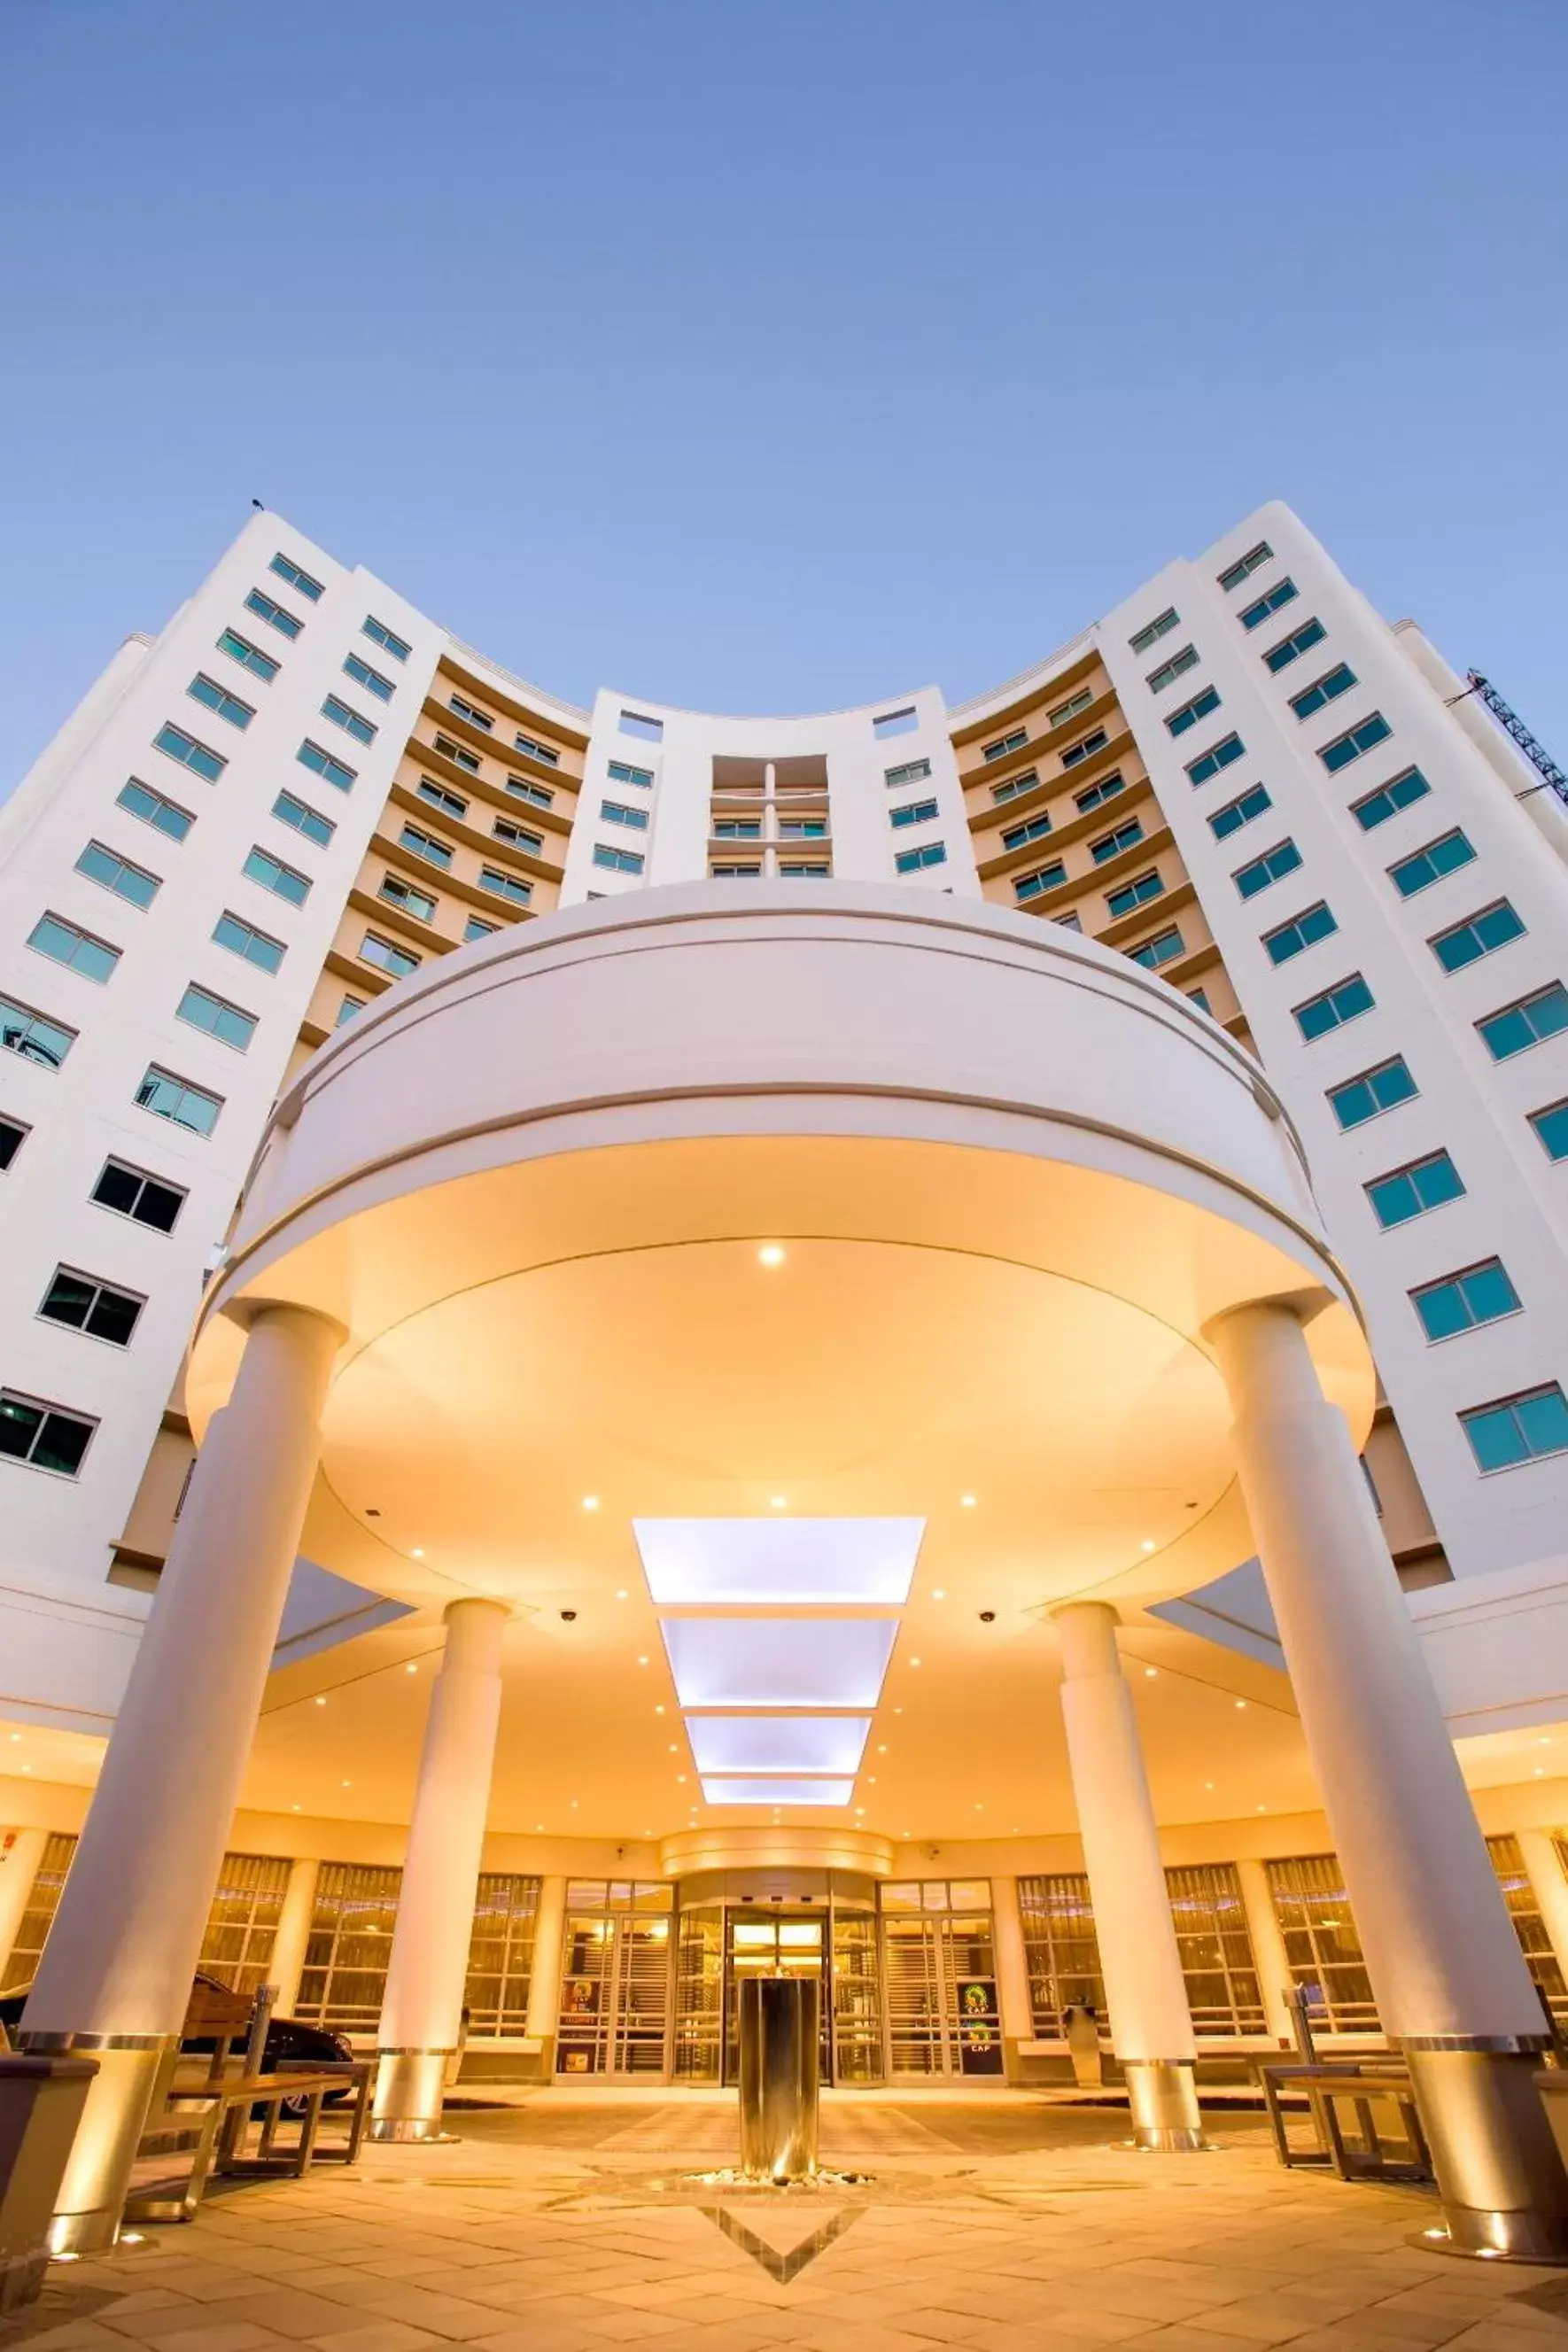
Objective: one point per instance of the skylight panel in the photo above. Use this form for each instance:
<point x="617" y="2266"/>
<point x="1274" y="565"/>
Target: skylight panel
<point x="793" y="1562"/>
<point x="778" y="1743"/>
<point x="779" y="1661"/>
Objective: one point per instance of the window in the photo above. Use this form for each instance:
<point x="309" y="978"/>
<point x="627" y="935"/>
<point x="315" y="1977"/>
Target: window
<point x="115" y="873"/>
<point x="1301" y="931"/>
<point x="352" y="722"/>
<point x="894" y="722"/>
<point x="1215" y="1948"/>
<point x="68" y="944"/>
<point x="168" y="1097"/>
<point x="532" y="749"/>
<point x="387" y="956"/>
<point x="163" y="815"/>
<point x="1424" y="866"/>
<point x="911" y="772"/>
<point x="131" y="1193"/>
<point x="476" y="927"/>
<point x="1334" y="1008"/>
<point x="248" y="656"/>
<point x="31" y="1036"/>
<point x="451" y="804"/>
<point x="287" y="569"/>
<point x="796" y="869"/>
<point x="622" y="772"/>
<point x="1374" y="1090"/>
<point x="407" y="898"/>
<point x="730" y="872"/>
<point x="349" y="1945"/>
<point x="373" y="681"/>
<point x="929" y="853"/>
<point x="808" y="828"/>
<point x="1017" y="834"/>
<point x="471" y="713"/>
<point x="509" y="886"/>
<point x="1229" y="747"/>
<point x="1014" y="785"/>
<point x="540" y="794"/>
<point x="303" y="818"/>
<point x="518" y="836"/>
<point x="86" y="1303"/>
<point x="1280" y="656"/>
<point x="1407" y="1192"/>
<point x="1076" y="753"/>
<point x="265" y="609"/>
<point x="425" y="845"/>
<point x="1014" y="740"/>
<point x="1321" y="1945"/>
<point x="45" y="1436"/>
<point x="1517" y="1429"/>
<point x="284" y="881"/>
<point x="1377" y="807"/>
<point x="201" y="757"/>
<point x="459" y="754"/>
<point x="1481" y="1293"/>
<point x="215" y="697"/>
<point x="1069" y="920"/>
<point x="617" y="861"/>
<point x="380" y="635"/>
<point x="1044" y="877"/>
<point x="1060" y="1947"/>
<point x="1135" y="894"/>
<point x="13" y="1134"/>
<point x="1510" y="1031"/>
<point x="310" y="755"/>
<point x="1272" y="867"/>
<point x="242" y="939"/>
<point x="1240" y="811"/>
<point x="228" y="1022"/>
<point x="922" y="812"/>
<point x="1346" y="748"/>
<point x="1255" y="557"/>
<point x="1111" y="844"/>
<point x="1254" y="615"/>
<point x="738" y="828"/>
<point x="1477" y="936"/>
<point x="1161" y="626"/>
<point x="1199" y="997"/>
<point x="1169" y="672"/>
<point x="1070" y="709"/>
<point x="1551" y="1127"/>
<point x="1095" y="795"/>
<point x="1191" y="712"/>
<point x="651" y="730"/>
<point x="617" y="813"/>
<point x="1164" y="948"/>
<point x="1327" y="688"/>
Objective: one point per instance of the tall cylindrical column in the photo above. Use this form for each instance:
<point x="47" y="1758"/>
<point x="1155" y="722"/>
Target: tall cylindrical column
<point x="293" y="1934"/>
<point x="544" y="1979"/>
<point x="1538" y="1851"/>
<point x="115" y="1979"/>
<point x="1013" y="2002"/>
<point x="1150" y="2022"/>
<point x="1449" y="1980"/>
<point x="1268" y="1953"/>
<point x="422" y="2010"/>
<point x="19" y="1867"/>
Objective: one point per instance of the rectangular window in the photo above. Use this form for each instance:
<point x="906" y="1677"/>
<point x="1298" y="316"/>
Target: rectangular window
<point x="922" y="813"/>
<point x="1327" y="688"/>
<point x="1481" y="1293"/>
<point x="1478" y="935"/>
<point x="506" y="885"/>
<point x="808" y="828"/>
<point x="1243" y="570"/>
<point x="168" y="1097"/>
<point x="470" y="713"/>
<point x="618" y="812"/>
<point x="1534" y="1018"/>
<point x="1111" y="844"/>
<point x="1016" y="835"/>
<point x="218" y="698"/>
<point x="459" y="754"/>
<point x="1376" y="808"/>
<point x="83" y="1303"/>
<point x="621" y="771"/>
<point x="796" y="869"/>
<point x="199" y="757"/>
<point x="265" y="609"/>
<point x="68" y="943"/>
<point x="1198" y="996"/>
<point x="1344" y="1001"/>
<point x="43" y="1436"/>
<point x="1517" y="1429"/>
<point x="303" y="818"/>
<point x="248" y="656"/>
<point x="738" y="828"/>
<point x="1076" y="753"/>
<point x="407" y="898"/>
<point x="1229" y="747"/>
<point x="518" y="836"/>
<point x="1426" y="865"/>
<point x="1015" y="785"/>
<point x="1014" y="740"/>
<point x="532" y="749"/>
<point x="372" y="681"/>
<point x="243" y="939"/>
<point x="1272" y="867"/>
<point x="1280" y="656"/>
<point x="1161" y="626"/>
<point x="387" y="956"/>
<point x="131" y="1193"/>
<point x="729" y="872"/>
<point x="1410" y="1191"/>
<point x="451" y="804"/>
<point x="521" y="789"/>
<point x="425" y="845"/>
<point x="164" y="816"/>
<point x="1169" y="672"/>
<point x="476" y="927"/>
<point x="1043" y="878"/>
<point x="33" y="1036"/>
<point x="1551" y="1127"/>
<point x="617" y="861"/>
<point x="929" y="853"/>
<point x="1095" y="795"/>
<point x="910" y="772"/>
<point x="1070" y="709"/>
<point x="352" y="722"/>
<point x="1301" y="931"/>
<point x="1240" y="811"/>
<point x="13" y="1134"/>
<point x="284" y="881"/>
<point x="1191" y="712"/>
<point x="1339" y="754"/>
<point x="1254" y="615"/>
<point x="310" y="755"/>
<point x="287" y="569"/>
<point x="112" y="872"/>
<point x="1360" y="1098"/>
<point x="651" y="730"/>
<point x="1069" y="920"/>
<point x="387" y="639"/>
<point x="229" y="1023"/>
<point x="894" y="722"/>
<point x="1135" y="894"/>
<point x="1164" y="948"/>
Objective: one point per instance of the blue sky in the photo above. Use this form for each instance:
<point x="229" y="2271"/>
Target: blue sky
<point x="776" y="354"/>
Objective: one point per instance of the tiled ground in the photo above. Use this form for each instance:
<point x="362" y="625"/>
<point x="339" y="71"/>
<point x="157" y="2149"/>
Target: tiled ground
<point x="572" y="2223"/>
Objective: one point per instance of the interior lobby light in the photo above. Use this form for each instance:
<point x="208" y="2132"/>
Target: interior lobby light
<point x="320" y="1702"/>
<point x="418" y="1552"/>
<point x="590" y="1502"/>
<point x="1241" y="1703"/>
<point x="777" y="1793"/>
<point x="411" y="1670"/>
<point x="1148" y="1544"/>
<point x="774" y="1662"/>
<point x="940" y="1593"/>
<point x="778" y="1743"/>
<point x="967" y="1502"/>
<point x="779" y="1502"/>
<point x="771" y="1254"/>
<point x="700" y="1563"/>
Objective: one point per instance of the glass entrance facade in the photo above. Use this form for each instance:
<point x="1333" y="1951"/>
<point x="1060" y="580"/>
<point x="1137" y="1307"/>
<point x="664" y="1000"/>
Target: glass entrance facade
<point x="615" y="1979"/>
<point x="788" y="1923"/>
<point x="940" y="1973"/>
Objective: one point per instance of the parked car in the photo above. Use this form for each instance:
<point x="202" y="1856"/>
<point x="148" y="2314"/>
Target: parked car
<point x="286" y="2037"/>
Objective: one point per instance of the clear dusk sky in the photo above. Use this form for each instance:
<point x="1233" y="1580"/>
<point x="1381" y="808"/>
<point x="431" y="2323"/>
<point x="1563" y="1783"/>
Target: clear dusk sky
<point x="778" y="354"/>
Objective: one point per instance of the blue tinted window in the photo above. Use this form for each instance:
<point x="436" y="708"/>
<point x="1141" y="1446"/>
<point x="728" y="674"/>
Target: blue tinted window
<point x="1303" y="931"/>
<point x="1324" y="689"/>
<point x="1238" y="813"/>
<point x="1334" y="1007"/>
<point x="1271" y="866"/>
<point x="164" y="815"/>
<point x="929" y="853"/>
<point x="1389" y="799"/>
<point x="1408" y="1193"/>
<point x="1254" y="615"/>
<point x="1346" y="748"/>
<point x="1430" y="864"/>
<point x="1191" y="712"/>
<point x="1460" y="1301"/>
<point x="1299" y="641"/>
<point x="1229" y="747"/>
<point x="1477" y="936"/>
<point x="1552" y="1127"/>
<point x="215" y="697"/>
<point x="1545" y="1014"/>
<point x="189" y="753"/>
<point x="1361" y="1098"/>
<point x="1519" y="1429"/>
<point x="287" y="569"/>
<point x="352" y="722"/>
<point x="310" y="755"/>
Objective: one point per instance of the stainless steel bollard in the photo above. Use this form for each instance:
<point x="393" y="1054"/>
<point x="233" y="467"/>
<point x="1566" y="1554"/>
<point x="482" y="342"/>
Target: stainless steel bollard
<point x="779" y="2029"/>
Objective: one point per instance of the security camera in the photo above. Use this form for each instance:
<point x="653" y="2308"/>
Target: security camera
<point x="569" y="1616"/>
<point x="988" y="1616"/>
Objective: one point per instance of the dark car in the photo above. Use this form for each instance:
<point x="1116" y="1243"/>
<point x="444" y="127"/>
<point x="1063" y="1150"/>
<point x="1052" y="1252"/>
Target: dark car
<point x="286" y="2037"/>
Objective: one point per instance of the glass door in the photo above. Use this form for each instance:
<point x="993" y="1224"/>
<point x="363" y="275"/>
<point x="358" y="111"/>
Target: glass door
<point x="615" y="1985"/>
<point x="940" y="1979"/>
<point x="771" y="1944"/>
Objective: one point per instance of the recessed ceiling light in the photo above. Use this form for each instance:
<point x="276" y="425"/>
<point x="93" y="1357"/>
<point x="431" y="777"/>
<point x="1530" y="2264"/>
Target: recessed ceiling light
<point x="659" y="1708"/>
<point x="940" y="1593"/>
<point x="898" y="1710"/>
<point x="1541" y="1771"/>
<point x="538" y="1825"/>
<point x="27" y="1768"/>
<point x="320" y="1702"/>
<point x="871" y="1780"/>
<point x="621" y="1592"/>
<point x="914" y="1662"/>
<point x="1241" y="1702"/>
<point x="881" y="1747"/>
<point x="590" y="1502"/>
<point x="418" y="1552"/>
<point x="1147" y="1544"/>
<point x="642" y="1661"/>
<point x="967" y="1502"/>
<point x="15" y="1736"/>
<point x="411" y="1670"/>
<point x="1263" y="1809"/>
<point x="771" y="1254"/>
<point x="348" y="1784"/>
<point x="779" y="1502"/>
<point x="574" y="1804"/>
<point x="681" y="1779"/>
<point x="1151" y="1672"/>
<point x="1209" y="1784"/>
<point x="675" y="1747"/>
<point x="293" y="1808"/>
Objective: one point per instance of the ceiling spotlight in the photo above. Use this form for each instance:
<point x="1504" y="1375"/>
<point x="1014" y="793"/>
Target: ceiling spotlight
<point x="966" y="1502"/>
<point x="940" y="1593"/>
<point x="674" y="1748"/>
<point x="348" y="1784"/>
<point x="1147" y="1544"/>
<point x="659" y="1708"/>
<point x="411" y="1670"/>
<point x="320" y="1702"/>
<point x="881" y="1747"/>
<point x="590" y="1502"/>
<point x="642" y="1661"/>
<point x="914" y="1662"/>
<point x="418" y="1552"/>
<point x="1241" y="1703"/>
<point x="779" y="1502"/>
<point x="1151" y="1672"/>
<point x="293" y="1808"/>
<point x="771" y="1254"/>
<point x="621" y="1592"/>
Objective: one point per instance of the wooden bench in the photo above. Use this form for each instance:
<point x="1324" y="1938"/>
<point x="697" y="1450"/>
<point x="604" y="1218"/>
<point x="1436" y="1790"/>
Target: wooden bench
<point x="1363" y="2083"/>
<point x="209" y="2121"/>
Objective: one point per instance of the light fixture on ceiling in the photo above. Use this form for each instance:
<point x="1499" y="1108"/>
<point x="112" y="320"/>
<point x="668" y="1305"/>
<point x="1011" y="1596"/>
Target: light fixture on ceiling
<point x="348" y="1784"/>
<point x="1148" y="1544"/>
<point x="590" y="1502"/>
<point x="914" y="1662"/>
<point x="411" y="1670"/>
<point x="771" y="1254"/>
<point x="1149" y="1673"/>
<point x="418" y="1552"/>
<point x="779" y="1502"/>
<point x="881" y="1747"/>
<point x="320" y="1702"/>
<point x="966" y="1502"/>
<point x="1241" y="1703"/>
<point x="642" y="1661"/>
<point x="293" y="1808"/>
<point x="659" y="1708"/>
<point x="620" y="1592"/>
<point x="940" y="1592"/>
<point x="675" y="1747"/>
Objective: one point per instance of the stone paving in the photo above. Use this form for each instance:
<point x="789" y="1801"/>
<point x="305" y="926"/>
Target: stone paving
<point x="572" y="2222"/>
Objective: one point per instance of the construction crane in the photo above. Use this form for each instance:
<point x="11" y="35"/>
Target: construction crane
<point x="1512" y="725"/>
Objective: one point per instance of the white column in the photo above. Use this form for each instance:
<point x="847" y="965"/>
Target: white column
<point x="1267" y="1947"/>
<point x="1014" y="2004"/>
<point x="1150" y="2022"/>
<point x="1448" y="1977"/>
<point x="293" y="1933"/>
<point x="19" y="1867"/>
<point x="1538" y="1850"/>
<point x="544" y="1979"/>
<point x="422" y="2008"/>
<point x="116" y="1974"/>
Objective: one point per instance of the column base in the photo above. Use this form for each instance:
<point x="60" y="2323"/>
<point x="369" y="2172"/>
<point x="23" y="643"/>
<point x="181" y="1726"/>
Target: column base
<point x="410" y="2089"/>
<point x="91" y="2198"/>
<point x="1500" y="2178"/>
<point x="1164" y="2102"/>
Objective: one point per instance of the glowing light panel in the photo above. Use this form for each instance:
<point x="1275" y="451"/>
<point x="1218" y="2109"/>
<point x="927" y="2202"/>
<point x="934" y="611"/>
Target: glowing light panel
<point x="778" y="1661"/>
<point x="798" y="1562"/>
<point x="778" y="1792"/>
<point x="778" y="1743"/>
